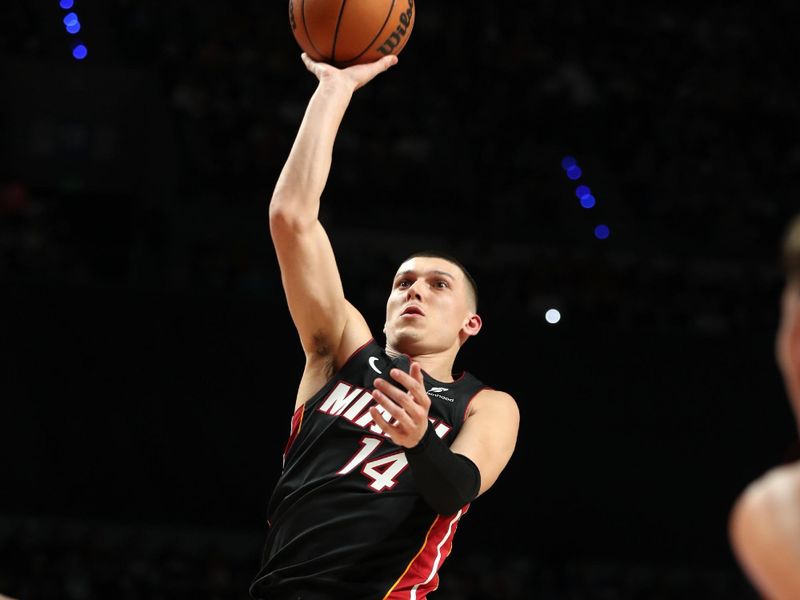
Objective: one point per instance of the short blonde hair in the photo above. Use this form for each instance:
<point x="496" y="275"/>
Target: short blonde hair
<point x="791" y="250"/>
<point x="472" y="286"/>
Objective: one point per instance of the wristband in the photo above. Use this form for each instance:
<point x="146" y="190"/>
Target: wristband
<point x="446" y="480"/>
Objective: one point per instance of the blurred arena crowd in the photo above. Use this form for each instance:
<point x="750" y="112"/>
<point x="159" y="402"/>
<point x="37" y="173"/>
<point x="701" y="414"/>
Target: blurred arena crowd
<point x="675" y="113"/>
<point x="44" y="559"/>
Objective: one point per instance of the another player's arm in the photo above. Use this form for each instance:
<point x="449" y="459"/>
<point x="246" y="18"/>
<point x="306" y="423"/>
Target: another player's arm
<point x="765" y="533"/>
<point x="309" y="273"/>
<point x="787" y="345"/>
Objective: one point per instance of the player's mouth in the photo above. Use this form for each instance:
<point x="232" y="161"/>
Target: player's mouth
<point x="412" y="311"/>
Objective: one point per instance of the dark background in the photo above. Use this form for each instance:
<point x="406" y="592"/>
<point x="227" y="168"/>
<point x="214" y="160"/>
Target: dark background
<point x="149" y="362"/>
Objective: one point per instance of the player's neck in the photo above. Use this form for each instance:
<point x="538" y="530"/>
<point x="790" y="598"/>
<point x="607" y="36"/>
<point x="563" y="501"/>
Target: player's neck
<point x="438" y="365"/>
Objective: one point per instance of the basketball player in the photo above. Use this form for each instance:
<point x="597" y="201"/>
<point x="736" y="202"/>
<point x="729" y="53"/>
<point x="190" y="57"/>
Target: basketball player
<point x="765" y="521"/>
<point x="388" y="447"/>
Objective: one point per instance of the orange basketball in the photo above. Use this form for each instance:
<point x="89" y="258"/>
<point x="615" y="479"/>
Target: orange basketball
<point x="349" y="32"/>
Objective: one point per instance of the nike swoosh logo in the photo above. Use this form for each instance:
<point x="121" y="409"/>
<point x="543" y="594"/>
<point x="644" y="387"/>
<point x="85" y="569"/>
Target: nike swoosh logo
<point x="372" y="361"/>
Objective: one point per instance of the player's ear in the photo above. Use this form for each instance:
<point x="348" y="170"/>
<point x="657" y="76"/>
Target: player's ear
<point x="472" y="325"/>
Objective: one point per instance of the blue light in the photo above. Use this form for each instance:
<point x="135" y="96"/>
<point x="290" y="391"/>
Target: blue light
<point x="75" y="28"/>
<point x="568" y="162"/>
<point x="582" y="191"/>
<point x="70" y="19"/>
<point x="65" y="4"/>
<point x="588" y="201"/>
<point x="574" y="172"/>
<point x="79" y="52"/>
<point x="602" y="232"/>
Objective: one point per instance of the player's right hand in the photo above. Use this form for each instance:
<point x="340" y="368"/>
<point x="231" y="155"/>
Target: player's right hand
<point x="353" y="77"/>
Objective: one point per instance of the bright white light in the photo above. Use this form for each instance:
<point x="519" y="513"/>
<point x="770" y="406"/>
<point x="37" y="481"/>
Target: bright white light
<point x="552" y="316"/>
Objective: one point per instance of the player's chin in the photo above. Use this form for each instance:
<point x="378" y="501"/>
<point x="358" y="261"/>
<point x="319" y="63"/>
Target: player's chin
<point x="410" y="322"/>
<point x="404" y="338"/>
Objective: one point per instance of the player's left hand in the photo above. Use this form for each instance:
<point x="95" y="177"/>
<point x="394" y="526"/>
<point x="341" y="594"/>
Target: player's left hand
<point x="409" y="410"/>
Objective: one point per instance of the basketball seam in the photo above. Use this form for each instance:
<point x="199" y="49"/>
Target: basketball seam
<point x="305" y="26"/>
<point x="336" y="31"/>
<point x="363" y="52"/>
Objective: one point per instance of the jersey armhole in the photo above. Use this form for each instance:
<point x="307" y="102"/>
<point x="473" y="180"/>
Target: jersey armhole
<point x="356" y="352"/>
<point x="469" y="402"/>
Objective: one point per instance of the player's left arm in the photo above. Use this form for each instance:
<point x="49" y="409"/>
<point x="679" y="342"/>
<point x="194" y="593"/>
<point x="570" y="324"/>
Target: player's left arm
<point x="489" y="434"/>
<point x="764" y="531"/>
<point x="447" y="477"/>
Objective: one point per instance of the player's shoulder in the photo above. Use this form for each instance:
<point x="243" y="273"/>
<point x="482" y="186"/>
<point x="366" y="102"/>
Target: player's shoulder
<point x="781" y="480"/>
<point x="491" y="394"/>
<point x="764" y="523"/>
<point x="489" y="398"/>
<point x="770" y="494"/>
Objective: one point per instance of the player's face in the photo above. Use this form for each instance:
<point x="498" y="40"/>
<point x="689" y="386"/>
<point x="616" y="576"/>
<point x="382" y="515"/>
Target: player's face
<point x="429" y="306"/>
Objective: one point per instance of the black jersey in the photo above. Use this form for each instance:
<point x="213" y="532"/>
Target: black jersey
<point x="346" y="519"/>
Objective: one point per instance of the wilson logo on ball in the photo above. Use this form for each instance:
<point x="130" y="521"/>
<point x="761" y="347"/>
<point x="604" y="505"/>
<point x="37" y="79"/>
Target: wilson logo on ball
<point x="397" y="36"/>
<point x="349" y="32"/>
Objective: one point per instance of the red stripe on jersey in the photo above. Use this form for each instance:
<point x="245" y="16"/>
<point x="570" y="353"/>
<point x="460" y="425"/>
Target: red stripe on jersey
<point x="422" y="574"/>
<point x="297" y="421"/>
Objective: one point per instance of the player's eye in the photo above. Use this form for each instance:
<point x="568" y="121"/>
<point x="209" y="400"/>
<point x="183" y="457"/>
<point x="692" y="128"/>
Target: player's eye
<point x="441" y="283"/>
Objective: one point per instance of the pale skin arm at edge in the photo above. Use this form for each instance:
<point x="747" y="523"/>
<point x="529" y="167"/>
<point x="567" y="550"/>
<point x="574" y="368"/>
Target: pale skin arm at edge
<point x="765" y="533"/>
<point x="489" y="435"/>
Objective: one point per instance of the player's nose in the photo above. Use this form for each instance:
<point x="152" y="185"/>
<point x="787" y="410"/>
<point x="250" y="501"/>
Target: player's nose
<point x="413" y="291"/>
